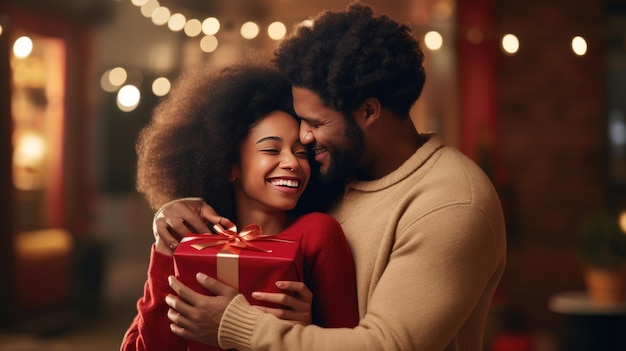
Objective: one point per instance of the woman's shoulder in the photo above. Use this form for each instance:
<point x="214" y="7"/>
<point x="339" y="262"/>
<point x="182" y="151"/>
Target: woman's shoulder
<point x="317" y="220"/>
<point x="320" y="234"/>
<point x="318" y="228"/>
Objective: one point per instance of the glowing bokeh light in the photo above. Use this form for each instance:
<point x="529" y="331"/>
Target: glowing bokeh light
<point x="579" y="45"/>
<point x="29" y="150"/>
<point x="249" y="30"/>
<point x="277" y="30"/>
<point x="105" y="83"/>
<point x="176" y="22"/>
<point x="128" y="98"/>
<point x="117" y="76"/>
<point x="22" y="47"/>
<point x="149" y="7"/>
<point x="161" y="86"/>
<point x="208" y="43"/>
<point x="210" y="26"/>
<point x="433" y="40"/>
<point x="161" y="16"/>
<point x="193" y="28"/>
<point x="510" y="44"/>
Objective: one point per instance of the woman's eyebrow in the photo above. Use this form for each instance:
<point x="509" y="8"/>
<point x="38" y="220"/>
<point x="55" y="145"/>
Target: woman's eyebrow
<point x="273" y="138"/>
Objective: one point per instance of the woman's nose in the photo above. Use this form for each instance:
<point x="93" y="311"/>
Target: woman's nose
<point x="290" y="162"/>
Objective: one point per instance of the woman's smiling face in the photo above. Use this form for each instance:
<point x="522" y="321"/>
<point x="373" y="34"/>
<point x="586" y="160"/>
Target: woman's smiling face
<point x="273" y="170"/>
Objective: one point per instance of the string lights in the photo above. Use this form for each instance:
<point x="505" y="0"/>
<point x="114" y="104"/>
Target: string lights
<point x="208" y="28"/>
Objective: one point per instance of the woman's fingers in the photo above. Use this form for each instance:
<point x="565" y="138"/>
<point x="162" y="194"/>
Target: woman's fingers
<point x="299" y="299"/>
<point x="290" y="302"/>
<point x="297" y="304"/>
<point x="299" y="288"/>
<point x="303" y="318"/>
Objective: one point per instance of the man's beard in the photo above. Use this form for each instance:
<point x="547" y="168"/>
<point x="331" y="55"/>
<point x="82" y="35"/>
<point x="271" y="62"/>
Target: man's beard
<point x="345" y="161"/>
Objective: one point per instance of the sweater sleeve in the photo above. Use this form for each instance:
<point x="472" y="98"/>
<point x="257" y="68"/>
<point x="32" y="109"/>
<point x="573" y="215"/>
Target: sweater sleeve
<point x="430" y="286"/>
<point x="330" y="272"/>
<point x="150" y="329"/>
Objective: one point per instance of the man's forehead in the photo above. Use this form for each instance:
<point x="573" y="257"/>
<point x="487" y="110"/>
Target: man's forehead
<point x="310" y="107"/>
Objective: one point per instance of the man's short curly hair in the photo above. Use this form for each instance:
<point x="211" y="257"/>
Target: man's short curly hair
<point x="191" y="142"/>
<point x="346" y="57"/>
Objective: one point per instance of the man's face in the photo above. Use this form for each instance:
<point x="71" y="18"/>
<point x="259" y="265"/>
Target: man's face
<point x="336" y="140"/>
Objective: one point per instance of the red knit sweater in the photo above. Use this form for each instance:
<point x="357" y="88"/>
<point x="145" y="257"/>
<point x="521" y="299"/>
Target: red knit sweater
<point x="328" y="273"/>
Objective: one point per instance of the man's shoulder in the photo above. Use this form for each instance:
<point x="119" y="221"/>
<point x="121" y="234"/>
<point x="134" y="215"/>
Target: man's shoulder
<point x="447" y="178"/>
<point x="450" y="162"/>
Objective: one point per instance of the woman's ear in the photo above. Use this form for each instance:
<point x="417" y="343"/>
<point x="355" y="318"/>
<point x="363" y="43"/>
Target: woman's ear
<point x="235" y="172"/>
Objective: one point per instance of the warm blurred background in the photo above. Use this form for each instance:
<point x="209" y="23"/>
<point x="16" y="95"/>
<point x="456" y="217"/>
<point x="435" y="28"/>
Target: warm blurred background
<point x="533" y="90"/>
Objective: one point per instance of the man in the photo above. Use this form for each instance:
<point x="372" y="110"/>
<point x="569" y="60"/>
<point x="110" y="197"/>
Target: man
<point x="423" y="221"/>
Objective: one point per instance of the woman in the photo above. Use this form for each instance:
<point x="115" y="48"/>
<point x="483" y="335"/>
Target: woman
<point x="236" y="130"/>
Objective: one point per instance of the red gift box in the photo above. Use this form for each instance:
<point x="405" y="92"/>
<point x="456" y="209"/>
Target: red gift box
<point x="247" y="261"/>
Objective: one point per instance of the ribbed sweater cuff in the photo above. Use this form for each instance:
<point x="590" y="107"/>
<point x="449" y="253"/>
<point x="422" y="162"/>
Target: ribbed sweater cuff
<point x="237" y="324"/>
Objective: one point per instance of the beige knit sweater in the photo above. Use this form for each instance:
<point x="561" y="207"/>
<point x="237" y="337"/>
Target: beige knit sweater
<point x="429" y="246"/>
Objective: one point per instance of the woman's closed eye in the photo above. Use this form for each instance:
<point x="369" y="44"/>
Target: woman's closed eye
<point x="272" y="151"/>
<point x="301" y="153"/>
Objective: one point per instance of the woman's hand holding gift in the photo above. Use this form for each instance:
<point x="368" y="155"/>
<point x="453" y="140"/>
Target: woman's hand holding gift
<point x="297" y="308"/>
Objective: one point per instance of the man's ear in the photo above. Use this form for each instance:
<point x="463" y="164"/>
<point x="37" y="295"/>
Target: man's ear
<point x="370" y="110"/>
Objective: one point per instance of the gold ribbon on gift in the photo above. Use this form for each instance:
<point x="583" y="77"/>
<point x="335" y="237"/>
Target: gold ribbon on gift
<point x="232" y="244"/>
<point x="231" y="239"/>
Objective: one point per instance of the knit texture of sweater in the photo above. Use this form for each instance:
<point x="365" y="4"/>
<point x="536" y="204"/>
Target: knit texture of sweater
<point x="328" y="273"/>
<point x="429" y="245"/>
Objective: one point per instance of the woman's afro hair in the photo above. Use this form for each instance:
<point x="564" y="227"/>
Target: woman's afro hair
<point x="191" y="142"/>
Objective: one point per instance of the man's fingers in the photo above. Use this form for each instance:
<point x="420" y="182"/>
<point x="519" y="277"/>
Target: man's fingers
<point x="180" y="217"/>
<point x="215" y="286"/>
<point x="176" y="226"/>
<point x="178" y="318"/>
<point x="161" y="230"/>
<point x="182" y="326"/>
<point x="196" y="316"/>
<point x="207" y="212"/>
<point x="186" y="217"/>
<point x="182" y="308"/>
<point x="185" y="293"/>
<point x="178" y="330"/>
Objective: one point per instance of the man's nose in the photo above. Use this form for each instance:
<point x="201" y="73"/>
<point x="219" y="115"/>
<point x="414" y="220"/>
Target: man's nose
<point x="306" y="135"/>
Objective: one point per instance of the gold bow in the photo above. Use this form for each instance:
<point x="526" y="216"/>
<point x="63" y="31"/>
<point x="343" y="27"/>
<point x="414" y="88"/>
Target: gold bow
<point x="229" y="238"/>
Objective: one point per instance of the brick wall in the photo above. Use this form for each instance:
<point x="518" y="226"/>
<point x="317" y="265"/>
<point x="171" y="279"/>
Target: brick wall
<point x="552" y="146"/>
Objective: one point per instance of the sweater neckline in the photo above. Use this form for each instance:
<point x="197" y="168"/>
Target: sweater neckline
<point x="432" y="142"/>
